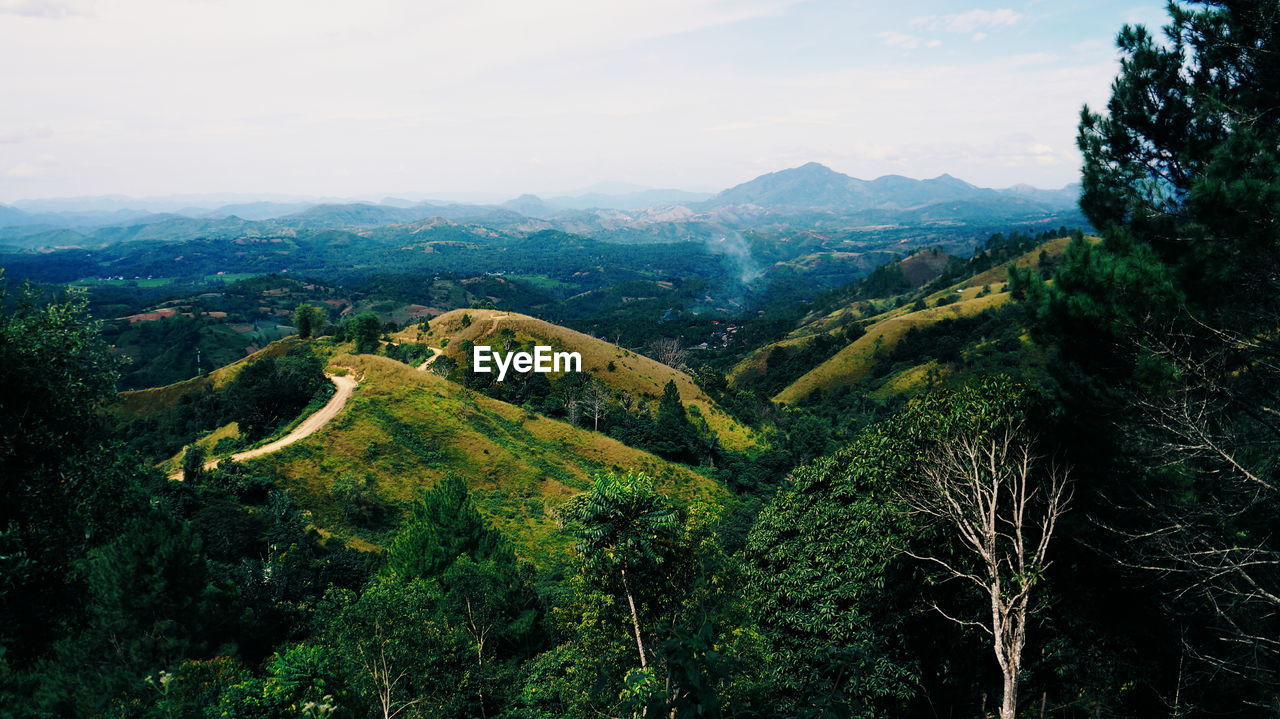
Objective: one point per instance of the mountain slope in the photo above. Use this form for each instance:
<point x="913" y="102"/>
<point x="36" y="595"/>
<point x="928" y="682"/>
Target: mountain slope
<point x="144" y="402"/>
<point x="633" y="373"/>
<point x="855" y="361"/>
<point x="907" y="273"/>
<point x="403" y="429"/>
<point x="967" y="297"/>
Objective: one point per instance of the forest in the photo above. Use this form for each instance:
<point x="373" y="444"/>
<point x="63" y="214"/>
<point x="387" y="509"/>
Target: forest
<point x="1036" y="478"/>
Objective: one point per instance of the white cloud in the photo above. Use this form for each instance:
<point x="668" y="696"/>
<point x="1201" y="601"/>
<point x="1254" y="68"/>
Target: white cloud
<point x="307" y="96"/>
<point x="26" y="170"/>
<point x="905" y="41"/>
<point x="902" y="40"/>
<point x="970" y="21"/>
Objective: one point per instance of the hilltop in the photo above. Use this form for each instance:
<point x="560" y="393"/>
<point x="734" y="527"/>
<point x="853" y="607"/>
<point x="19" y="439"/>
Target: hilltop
<point x="145" y="402"/>
<point x="617" y="367"/>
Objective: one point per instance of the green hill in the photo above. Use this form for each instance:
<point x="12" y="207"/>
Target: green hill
<point x="855" y="361"/>
<point x="144" y="402"/>
<point x="404" y="429"/>
<point x="906" y="274"/>
<point x="631" y="372"/>
<point x="887" y="320"/>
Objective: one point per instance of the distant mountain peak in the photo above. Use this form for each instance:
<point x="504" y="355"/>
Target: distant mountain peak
<point x="529" y="205"/>
<point x="812" y="170"/>
<point x="814" y="187"/>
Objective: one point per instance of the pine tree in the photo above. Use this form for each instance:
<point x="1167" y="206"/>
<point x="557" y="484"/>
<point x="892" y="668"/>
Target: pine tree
<point x="441" y="527"/>
<point x="1165" y="340"/>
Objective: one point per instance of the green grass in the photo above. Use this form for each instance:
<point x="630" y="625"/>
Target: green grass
<point x="230" y="277"/>
<point x="633" y="373"/>
<point x="406" y="429"/>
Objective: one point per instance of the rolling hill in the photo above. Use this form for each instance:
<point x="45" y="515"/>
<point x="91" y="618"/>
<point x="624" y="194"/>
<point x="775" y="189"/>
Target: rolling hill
<point x="855" y="361"/>
<point x="144" y="402"/>
<point x="404" y="429"/>
<point x="632" y="372"/>
<point x="907" y="273"/>
<point x="887" y="320"/>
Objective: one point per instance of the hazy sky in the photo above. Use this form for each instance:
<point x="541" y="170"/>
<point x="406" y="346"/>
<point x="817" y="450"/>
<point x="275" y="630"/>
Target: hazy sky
<point x="376" y="97"/>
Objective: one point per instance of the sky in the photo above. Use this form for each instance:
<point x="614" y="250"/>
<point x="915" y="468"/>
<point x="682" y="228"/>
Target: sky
<point x="456" y="98"/>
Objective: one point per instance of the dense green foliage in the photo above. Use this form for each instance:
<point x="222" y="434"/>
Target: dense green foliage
<point x="1164" y="335"/>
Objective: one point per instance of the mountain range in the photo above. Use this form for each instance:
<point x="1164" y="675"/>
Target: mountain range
<point x="817" y="187"/>
<point x="810" y="194"/>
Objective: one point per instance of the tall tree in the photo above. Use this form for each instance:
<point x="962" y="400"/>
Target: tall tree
<point x="988" y="491"/>
<point x="151" y="601"/>
<point x="669" y="352"/>
<point x="484" y="593"/>
<point x="193" y="459"/>
<point x="851" y="631"/>
<point x="442" y="526"/>
<point x="63" y="487"/>
<point x="1165" y="333"/>
<point x="309" y="320"/>
<point x="595" y="398"/>
<point x="621" y="526"/>
<point x="398" y="653"/>
<point x="366" y="329"/>
<point x="672" y="431"/>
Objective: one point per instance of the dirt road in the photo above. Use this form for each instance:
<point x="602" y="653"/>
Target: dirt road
<point x="435" y="353"/>
<point x="345" y="384"/>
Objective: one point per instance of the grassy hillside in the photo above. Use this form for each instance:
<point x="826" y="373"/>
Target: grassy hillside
<point x="143" y="402"/>
<point x="968" y="297"/>
<point x="404" y="429"/>
<point x="906" y="274"/>
<point x="855" y="361"/>
<point x="632" y="372"/>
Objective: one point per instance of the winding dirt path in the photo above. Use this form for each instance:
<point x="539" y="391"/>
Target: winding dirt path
<point x="345" y="384"/>
<point x="435" y="354"/>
